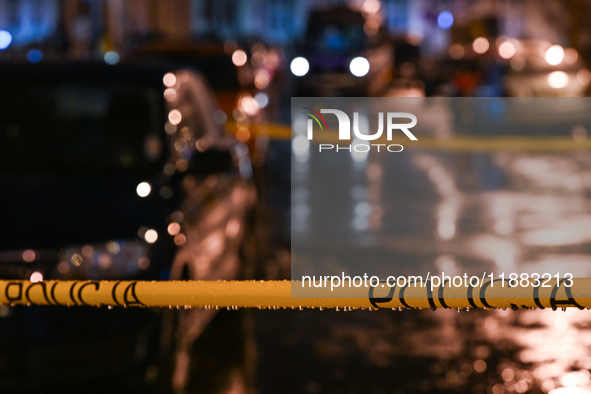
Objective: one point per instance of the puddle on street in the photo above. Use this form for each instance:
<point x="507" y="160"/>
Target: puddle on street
<point x="540" y="351"/>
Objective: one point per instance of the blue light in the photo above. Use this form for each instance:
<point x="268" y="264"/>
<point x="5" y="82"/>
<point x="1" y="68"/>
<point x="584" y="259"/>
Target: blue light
<point x="445" y="20"/>
<point x="34" y="56"/>
<point x="5" y="39"/>
<point x="111" y="57"/>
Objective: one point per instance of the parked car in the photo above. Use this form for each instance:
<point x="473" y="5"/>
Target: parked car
<point x="109" y="172"/>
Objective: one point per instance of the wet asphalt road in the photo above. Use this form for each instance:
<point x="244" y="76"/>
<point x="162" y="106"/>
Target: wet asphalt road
<point x="385" y="351"/>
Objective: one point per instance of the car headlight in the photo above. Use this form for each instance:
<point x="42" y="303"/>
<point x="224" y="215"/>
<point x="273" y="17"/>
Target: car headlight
<point x="111" y="260"/>
<point x="359" y="66"/>
<point x="299" y="66"/>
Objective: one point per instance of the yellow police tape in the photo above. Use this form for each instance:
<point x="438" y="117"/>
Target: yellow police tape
<point x="460" y="143"/>
<point x="277" y="294"/>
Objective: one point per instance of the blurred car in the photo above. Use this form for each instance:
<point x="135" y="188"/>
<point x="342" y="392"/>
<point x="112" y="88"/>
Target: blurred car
<point x="540" y="69"/>
<point x="343" y="53"/>
<point x="109" y="172"/>
<point x="506" y="66"/>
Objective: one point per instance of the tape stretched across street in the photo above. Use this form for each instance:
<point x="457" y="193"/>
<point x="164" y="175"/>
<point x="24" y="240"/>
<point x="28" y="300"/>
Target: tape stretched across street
<point x="277" y="294"/>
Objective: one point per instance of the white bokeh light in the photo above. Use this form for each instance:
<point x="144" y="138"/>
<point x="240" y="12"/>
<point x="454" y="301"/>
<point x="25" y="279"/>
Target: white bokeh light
<point x="480" y="45"/>
<point x="36" y="277"/>
<point x="359" y="66"/>
<point x="557" y="79"/>
<point x="554" y="55"/>
<point x="143" y="189"/>
<point x="151" y="236"/>
<point x="175" y="117"/>
<point x="299" y="66"/>
<point x="507" y="50"/>
<point x="239" y="58"/>
<point x="169" y="80"/>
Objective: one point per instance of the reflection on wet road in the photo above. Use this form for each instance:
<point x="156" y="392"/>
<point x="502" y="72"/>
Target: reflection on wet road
<point x="422" y="351"/>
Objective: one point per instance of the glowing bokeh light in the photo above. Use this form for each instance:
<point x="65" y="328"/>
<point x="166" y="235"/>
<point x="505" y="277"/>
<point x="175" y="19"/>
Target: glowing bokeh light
<point x="554" y="55"/>
<point x="169" y="80"/>
<point x="151" y="236"/>
<point x="262" y="99"/>
<point x="557" y="79"/>
<point x="249" y="105"/>
<point x="359" y="66"/>
<point x="29" y="256"/>
<point x="445" y="20"/>
<point x="175" y="117"/>
<point x="299" y="66"/>
<point x="371" y="6"/>
<point x="34" y="56"/>
<point x="180" y="239"/>
<point x="111" y="58"/>
<point x="170" y="94"/>
<point x="507" y="50"/>
<point x="174" y="228"/>
<point x="5" y="39"/>
<point x="480" y="45"/>
<point x="143" y="189"/>
<point x="239" y="58"/>
<point x="36" y="277"/>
